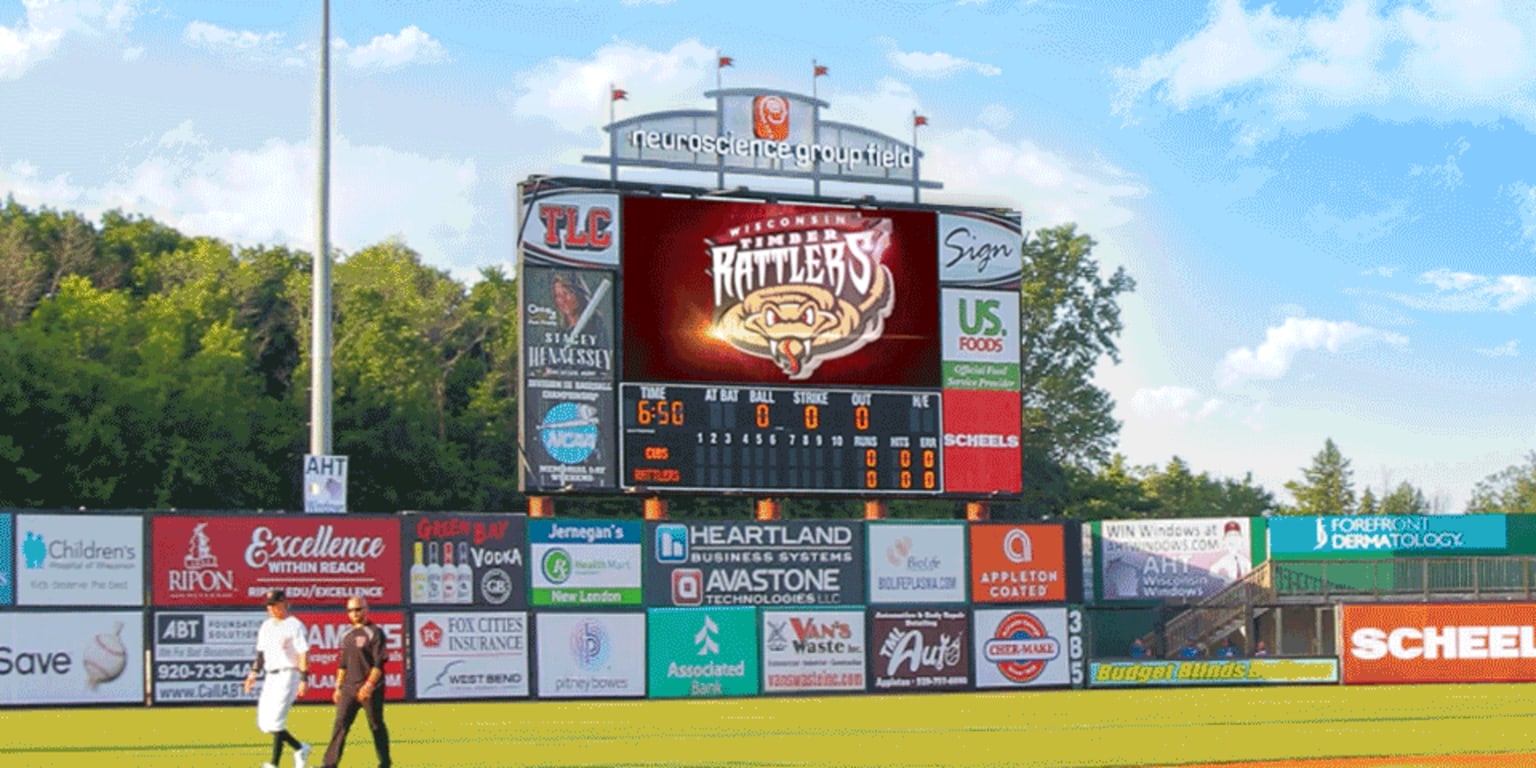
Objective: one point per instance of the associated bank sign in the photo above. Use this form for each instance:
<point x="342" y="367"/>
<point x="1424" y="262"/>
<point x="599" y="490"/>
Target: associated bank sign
<point x="1300" y="538"/>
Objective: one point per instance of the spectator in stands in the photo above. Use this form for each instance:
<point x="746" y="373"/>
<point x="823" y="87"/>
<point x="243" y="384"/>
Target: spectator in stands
<point x="1229" y="650"/>
<point x="1190" y="650"/>
<point x="1139" y="649"/>
<point x="1261" y="649"/>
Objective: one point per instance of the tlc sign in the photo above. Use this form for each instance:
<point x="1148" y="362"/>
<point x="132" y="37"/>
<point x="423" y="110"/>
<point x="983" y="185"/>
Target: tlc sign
<point x="567" y="226"/>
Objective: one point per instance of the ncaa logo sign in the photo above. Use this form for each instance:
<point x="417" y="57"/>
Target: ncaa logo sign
<point x="569" y="432"/>
<point x="671" y="543"/>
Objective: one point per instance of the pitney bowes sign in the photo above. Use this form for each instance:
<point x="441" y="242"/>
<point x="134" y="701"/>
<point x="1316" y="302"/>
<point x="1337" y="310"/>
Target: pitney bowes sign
<point x="207" y="561"/>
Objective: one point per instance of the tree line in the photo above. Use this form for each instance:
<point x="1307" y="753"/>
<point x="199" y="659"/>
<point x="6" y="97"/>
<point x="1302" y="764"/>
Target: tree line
<point x="144" y="368"/>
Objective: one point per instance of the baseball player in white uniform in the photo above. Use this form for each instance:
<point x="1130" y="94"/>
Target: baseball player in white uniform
<point x="282" y="650"/>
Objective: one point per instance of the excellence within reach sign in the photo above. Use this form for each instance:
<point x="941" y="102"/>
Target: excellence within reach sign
<point x="763" y="132"/>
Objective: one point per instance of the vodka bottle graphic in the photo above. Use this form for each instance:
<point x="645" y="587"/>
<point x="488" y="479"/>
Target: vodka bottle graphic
<point x="450" y="575"/>
<point x="434" y="574"/>
<point x="418" y="577"/>
<point x="466" y="575"/>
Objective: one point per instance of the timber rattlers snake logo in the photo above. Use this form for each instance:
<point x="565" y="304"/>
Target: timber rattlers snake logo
<point x="801" y="289"/>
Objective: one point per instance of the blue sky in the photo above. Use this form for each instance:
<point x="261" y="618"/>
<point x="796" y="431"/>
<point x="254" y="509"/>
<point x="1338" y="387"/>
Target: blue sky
<point x="1329" y="208"/>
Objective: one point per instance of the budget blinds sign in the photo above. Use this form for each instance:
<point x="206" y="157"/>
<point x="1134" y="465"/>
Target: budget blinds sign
<point x="1371" y="536"/>
<point x="789" y="563"/>
<point x="79" y="560"/>
<point x="577" y="564"/>
<point x="916" y="563"/>
<point x="703" y="652"/>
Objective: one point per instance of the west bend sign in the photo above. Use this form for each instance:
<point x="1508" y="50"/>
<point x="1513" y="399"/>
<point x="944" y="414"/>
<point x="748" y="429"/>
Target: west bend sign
<point x="763" y="133"/>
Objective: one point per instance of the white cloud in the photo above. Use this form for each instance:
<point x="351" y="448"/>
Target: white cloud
<point x="934" y="65"/>
<point x="1380" y="272"/>
<point x="1272" y="358"/>
<point x="1524" y="196"/>
<point x="1173" y="403"/>
<point x="995" y="116"/>
<point x="265" y="194"/>
<point x="46" y="23"/>
<point x="390" y="52"/>
<point x="1509" y="348"/>
<point x="573" y="93"/>
<point x="201" y="34"/>
<point x="647" y="2"/>
<point x="1364" y="227"/>
<point x="1436" y="60"/>
<point x="1467" y="292"/>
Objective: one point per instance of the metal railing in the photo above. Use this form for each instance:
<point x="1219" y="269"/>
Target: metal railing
<point x="1459" y="578"/>
<point x="1228" y="609"/>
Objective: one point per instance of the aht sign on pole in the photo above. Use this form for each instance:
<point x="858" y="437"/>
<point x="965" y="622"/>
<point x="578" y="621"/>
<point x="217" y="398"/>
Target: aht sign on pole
<point x="325" y="484"/>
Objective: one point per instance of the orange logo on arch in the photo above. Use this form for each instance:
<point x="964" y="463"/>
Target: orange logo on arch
<point x="770" y="118"/>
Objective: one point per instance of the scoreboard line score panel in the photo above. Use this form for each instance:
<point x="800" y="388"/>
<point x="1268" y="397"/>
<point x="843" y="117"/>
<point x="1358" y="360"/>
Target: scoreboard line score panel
<point x="727" y="345"/>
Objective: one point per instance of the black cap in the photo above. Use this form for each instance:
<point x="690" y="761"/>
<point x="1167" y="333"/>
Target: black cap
<point x="275" y="596"/>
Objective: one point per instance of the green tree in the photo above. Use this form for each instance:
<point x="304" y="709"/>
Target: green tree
<point x="1069" y="322"/>
<point x="1327" y="487"/>
<point x="1404" y="500"/>
<point x="1510" y="491"/>
<point x="1368" y="503"/>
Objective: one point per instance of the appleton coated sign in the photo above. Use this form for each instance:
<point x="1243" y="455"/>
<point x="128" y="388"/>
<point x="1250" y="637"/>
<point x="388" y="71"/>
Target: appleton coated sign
<point x="764" y="133"/>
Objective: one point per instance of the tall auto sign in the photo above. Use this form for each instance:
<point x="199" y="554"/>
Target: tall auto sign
<point x="233" y="560"/>
<point x="1446" y="643"/>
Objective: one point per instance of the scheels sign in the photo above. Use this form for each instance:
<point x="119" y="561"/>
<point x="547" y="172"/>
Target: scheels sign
<point x="1464" y="643"/>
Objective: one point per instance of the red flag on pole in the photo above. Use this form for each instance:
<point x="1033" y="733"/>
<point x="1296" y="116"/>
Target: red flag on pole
<point x="820" y="70"/>
<point x="620" y="93"/>
<point x="919" y="120"/>
<point x="726" y="61"/>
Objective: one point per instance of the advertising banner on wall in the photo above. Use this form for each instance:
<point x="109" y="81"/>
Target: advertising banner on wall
<point x="919" y="650"/>
<point x="981" y="441"/>
<point x="71" y="658"/>
<point x="1438" y="643"/>
<point x="916" y="563"/>
<point x="1022" y="648"/>
<point x="204" y="560"/>
<point x="702" y="652"/>
<point x="1142" y="674"/>
<point x="980" y="250"/>
<point x="7" y="572"/>
<point x="1384" y="536"/>
<point x="568" y="324"/>
<point x="813" y="650"/>
<point x="569" y="227"/>
<point x="203" y="657"/>
<point x="470" y="655"/>
<point x="591" y="655"/>
<point x="1014" y="563"/>
<point x="572" y="431"/>
<point x="1162" y="559"/>
<point x="759" y="293"/>
<point x="584" y="563"/>
<point x="473" y="560"/>
<point x="79" y="560"/>
<point x="708" y="563"/>
<point x="325" y="631"/>
<point x="981" y="339"/>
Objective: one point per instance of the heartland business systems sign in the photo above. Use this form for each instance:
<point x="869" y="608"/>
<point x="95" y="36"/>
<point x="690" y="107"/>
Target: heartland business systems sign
<point x="766" y="133"/>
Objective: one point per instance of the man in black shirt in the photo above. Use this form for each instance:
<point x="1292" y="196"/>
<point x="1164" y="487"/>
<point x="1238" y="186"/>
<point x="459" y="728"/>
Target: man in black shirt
<point x="359" y="684"/>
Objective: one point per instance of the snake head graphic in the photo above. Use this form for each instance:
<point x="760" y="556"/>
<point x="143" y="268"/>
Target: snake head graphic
<point x="789" y="318"/>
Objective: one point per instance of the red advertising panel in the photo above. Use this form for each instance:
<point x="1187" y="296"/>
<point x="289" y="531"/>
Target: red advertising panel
<point x="202" y="561"/>
<point x="758" y="293"/>
<point x="1018" y="563"/>
<point x="325" y="633"/>
<point x="1446" y="643"/>
<point x="981" y="441"/>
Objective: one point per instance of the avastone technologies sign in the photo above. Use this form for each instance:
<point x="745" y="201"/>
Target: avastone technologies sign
<point x="766" y="133"/>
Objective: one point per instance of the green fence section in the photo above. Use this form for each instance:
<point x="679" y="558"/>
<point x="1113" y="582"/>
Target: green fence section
<point x="1406" y="577"/>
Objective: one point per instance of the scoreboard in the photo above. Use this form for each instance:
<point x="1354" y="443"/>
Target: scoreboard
<point x="693" y="437"/>
<point x="705" y="344"/>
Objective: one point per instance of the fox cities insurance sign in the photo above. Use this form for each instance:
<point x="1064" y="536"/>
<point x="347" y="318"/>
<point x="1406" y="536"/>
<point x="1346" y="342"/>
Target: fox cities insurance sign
<point x="215" y="560"/>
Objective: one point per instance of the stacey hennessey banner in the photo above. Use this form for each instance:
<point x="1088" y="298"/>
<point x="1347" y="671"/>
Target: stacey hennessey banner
<point x="232" y="561"/>
<point x="72" y="658"/>
<point x="470" y="655"/>
<point x="755" y="563"/>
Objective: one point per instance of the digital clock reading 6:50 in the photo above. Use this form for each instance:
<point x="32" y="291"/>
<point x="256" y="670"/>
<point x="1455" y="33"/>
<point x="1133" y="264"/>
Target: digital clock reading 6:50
<point x="696" y="437"/>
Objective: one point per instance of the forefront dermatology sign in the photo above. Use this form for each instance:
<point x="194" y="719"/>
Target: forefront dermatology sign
<point x="1355" y="536"/>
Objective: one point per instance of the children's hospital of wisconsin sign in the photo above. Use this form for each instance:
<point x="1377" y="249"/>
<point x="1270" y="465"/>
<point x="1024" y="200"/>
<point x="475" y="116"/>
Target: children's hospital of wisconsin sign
<point x="764" y="133"/>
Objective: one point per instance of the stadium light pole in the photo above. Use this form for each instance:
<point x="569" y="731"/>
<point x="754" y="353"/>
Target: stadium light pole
<point x="320" y="320"/>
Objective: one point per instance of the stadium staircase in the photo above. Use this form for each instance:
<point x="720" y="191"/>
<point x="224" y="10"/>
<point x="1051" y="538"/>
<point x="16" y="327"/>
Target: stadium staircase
<point x="1223" y="613"/>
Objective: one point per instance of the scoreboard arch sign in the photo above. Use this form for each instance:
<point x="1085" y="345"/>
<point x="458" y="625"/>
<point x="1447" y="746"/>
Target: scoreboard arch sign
<point x="743" y="345"/>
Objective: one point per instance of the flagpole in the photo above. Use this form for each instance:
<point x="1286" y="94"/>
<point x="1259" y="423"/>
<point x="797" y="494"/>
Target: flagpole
<point x="613" y="146"/>
<point x="814" y="68"/>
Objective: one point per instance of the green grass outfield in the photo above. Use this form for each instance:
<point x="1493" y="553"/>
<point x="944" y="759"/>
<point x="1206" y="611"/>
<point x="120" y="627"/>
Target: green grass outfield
<point x="1044" y="728"/>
